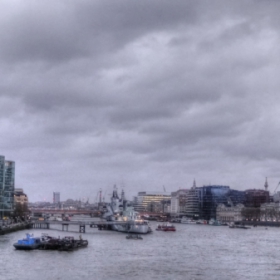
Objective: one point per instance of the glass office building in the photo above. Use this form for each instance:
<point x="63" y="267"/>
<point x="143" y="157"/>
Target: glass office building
<point x="192" y="208"/>
<point x="7" y="187"/>
<point x="210" y="197"/>
<point x="146" y="201"/>
<point x="2" y="172"/>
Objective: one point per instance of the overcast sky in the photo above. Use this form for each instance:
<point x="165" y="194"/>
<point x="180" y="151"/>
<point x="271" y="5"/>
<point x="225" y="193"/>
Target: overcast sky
<point x="141" y="94"/>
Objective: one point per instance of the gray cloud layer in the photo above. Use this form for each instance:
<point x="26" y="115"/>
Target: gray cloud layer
<point x="148" y="93"/>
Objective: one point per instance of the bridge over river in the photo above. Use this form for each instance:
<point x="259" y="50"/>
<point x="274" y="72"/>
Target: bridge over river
<point x="39" y="212"/>
<point x="93" y="213"/>
<point x="101" y="225"/>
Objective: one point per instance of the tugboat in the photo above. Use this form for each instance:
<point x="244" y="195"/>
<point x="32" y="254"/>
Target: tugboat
<point x="47" y="242"/>
<point x="166" y="227"/>
<point x="28" y="243"/>
<point x="68" y="243"/>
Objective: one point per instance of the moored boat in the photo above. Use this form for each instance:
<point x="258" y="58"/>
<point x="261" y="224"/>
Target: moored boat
<point x="238" y="226"/>
<point x="213" y="222"/>
<point x="134" y="237"/>
<point x="28" y="243"/>
<point x="166" y="227"/>
<point x="68" y="243"/>
<point x="47" y="242"/>
<point x="186" y="220"/>
<point x="123" y="217"/>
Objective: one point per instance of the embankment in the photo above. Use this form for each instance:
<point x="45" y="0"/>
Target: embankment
<point x="14" y="227"/>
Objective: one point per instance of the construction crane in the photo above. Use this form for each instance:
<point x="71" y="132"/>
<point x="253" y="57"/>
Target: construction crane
<point x="276" y="188"/>
<point x="99" y="196"/>
<point x="104" y="195"/>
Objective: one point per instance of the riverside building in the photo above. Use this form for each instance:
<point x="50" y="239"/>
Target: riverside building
<point x="227" y="214"/>
<point x="210" y="197"/>
<point x="7" y="187"/>
<point x="202" y="202"/>
<point x="192" y="208"/>
<point x="255" y="198"/>
<point x="151" y="201"/>
<point x="185" y="202"/>
<point x="178" y="202"/>
<point x="20" y="197"/>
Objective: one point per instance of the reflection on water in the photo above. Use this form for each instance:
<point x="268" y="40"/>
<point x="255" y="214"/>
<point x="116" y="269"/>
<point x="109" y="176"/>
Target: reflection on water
<point x="193" y="252"/>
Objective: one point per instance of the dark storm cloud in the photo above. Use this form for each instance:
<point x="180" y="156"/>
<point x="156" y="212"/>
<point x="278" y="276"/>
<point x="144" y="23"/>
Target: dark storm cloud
<point x="42" y="31"/>
<point x="151" y="92"/>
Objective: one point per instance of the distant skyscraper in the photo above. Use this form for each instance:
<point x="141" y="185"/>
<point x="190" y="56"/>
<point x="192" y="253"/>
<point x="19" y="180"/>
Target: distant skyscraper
<point x="7" y="186"/>
<point x="266" y="184"/>
<point x="56" y="197"/>
<point x="10" y="175"/>
<point x="2" y="172"/>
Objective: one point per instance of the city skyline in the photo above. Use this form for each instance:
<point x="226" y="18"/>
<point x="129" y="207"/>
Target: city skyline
<point x="106" y="195"/>
<point x="139" y="94"/>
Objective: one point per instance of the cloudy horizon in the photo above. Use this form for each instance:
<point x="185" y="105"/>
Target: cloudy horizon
<point x="139" y="94"/>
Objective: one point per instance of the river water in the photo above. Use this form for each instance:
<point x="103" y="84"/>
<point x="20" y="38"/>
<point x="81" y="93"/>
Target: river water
<point x="192" y="252"/>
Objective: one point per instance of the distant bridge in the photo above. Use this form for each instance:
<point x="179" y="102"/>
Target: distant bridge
<point x="66" y="211"/>
<point x="84" y="212"/>
<point x="101" y="225"/>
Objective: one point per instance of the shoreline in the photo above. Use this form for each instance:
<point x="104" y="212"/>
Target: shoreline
<point x="15" y="227"/>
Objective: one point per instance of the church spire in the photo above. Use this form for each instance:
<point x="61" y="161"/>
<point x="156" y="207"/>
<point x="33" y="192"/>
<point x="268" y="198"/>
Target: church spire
<point x="266" y="184"/>
<point x="194" y="184"/>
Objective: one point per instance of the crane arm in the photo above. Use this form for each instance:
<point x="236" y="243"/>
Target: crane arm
<point x="276" y="188"/>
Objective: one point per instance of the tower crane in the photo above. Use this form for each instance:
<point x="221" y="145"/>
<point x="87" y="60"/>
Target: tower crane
<point x="276" y="188"/>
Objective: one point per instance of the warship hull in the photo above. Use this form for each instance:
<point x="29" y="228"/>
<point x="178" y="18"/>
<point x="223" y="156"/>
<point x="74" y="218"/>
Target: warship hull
<point x="129" y="220"/>
<point x="133" y="228"/>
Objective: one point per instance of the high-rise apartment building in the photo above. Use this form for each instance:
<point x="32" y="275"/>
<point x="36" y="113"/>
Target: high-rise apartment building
<point x="7" y="186"/>
<point x="56" y="197"/>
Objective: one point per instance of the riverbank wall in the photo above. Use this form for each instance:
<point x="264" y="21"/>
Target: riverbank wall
<point x="260" y="223"/>
<point x="14" y="227"/>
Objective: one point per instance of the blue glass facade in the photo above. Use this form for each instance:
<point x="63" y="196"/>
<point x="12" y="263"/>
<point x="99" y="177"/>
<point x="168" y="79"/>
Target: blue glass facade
<point x="210" y="197"/>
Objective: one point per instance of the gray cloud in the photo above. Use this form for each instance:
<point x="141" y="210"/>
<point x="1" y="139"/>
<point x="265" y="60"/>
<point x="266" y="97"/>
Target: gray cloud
<point x="146" y="94"/>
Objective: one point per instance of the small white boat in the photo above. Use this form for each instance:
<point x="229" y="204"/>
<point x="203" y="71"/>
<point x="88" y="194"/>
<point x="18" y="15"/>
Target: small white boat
<point x="186" y="220"/>
<point x="232" y="225"/>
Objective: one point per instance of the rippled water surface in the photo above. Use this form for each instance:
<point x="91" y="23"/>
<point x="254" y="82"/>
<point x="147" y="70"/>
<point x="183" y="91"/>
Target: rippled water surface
<point x="193" y="252"/>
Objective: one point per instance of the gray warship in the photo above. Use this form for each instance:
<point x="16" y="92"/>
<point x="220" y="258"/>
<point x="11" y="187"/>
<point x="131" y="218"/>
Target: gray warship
<point x="118" y="210"/>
